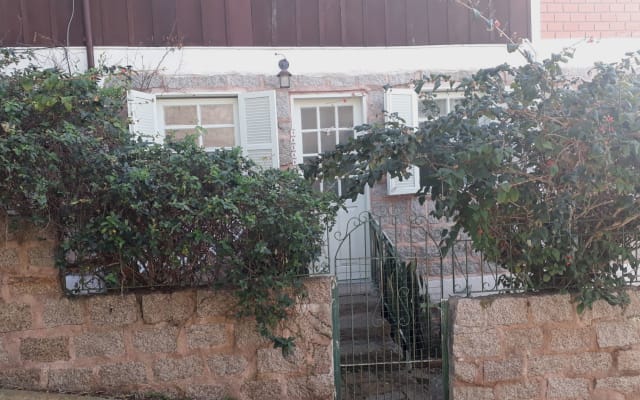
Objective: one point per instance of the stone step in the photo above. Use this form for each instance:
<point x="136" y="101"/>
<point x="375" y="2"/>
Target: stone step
<point x="359" y="304"/>
<point x="356" y="288"/>
<point x="365" y="326"/>
<point x="364" y="352"/>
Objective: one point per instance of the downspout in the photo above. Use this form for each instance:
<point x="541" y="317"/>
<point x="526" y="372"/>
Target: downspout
<point x="88" y="32"/>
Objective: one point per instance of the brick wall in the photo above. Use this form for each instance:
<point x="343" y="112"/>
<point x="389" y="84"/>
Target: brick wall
<point x="590" y="18"/>
<point x="539" y="348"/>
<point x="184" y="343"/>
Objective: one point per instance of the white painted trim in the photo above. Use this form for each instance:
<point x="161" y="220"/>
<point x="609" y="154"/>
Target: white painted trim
<point x="309" y="61"/>
<point x="198" y="101"/>
<point x="323" y="61"/>
<point x="315" y="99"/>
<point x="196" y="95"/>
<point x="536" y="22"/>
<point x="325" y="95"/>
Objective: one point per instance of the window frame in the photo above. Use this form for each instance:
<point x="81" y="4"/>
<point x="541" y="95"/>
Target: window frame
<point x="256" y="120"/>
<point x="317" y="101"/>
<point x="198" y="102"/>
<point x="448" y="95"/>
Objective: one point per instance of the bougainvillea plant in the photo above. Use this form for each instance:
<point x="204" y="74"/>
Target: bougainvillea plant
<point x="541" y="170"/>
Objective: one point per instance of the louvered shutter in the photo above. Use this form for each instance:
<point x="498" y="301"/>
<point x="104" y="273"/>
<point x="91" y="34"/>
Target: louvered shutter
<point x="142" y="116"/>
<point x="258" y="128"/>
<point x="404" y="102"/>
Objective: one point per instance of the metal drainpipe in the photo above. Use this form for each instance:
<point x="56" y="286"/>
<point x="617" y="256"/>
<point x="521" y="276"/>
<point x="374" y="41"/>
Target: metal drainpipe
<point x="88" y="31"/>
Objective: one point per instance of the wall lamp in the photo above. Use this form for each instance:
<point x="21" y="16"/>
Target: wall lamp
<point x="284" y="76"/>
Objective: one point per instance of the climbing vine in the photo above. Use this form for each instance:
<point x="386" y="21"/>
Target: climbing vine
<point x="134" y="215"/>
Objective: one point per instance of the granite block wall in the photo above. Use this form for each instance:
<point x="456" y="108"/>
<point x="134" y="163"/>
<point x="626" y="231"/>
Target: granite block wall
<point x="184" y="344"/>
<point x="540" y="348"/>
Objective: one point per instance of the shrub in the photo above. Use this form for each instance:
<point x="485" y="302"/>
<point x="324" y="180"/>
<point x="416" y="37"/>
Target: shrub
<point x="136" y="215"/>
<point x="542" y="171"/>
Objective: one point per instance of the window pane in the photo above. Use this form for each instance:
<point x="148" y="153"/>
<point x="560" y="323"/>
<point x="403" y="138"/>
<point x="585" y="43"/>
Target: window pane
<point x="179" y="134"/>
<point x="442" y="106"/>
<point x="219" y="137"/>
<point x="308" y="117"/>
<point x="345" y="116"/>
<point x="453" y="103"/>
<point x="345" y="136"/>
<point x="327" y="118"/>
<point x="180" y="115"/>
<point x="217" y="114"/>
<point x="331" y="185"/>
<point x="309" y="142"/>
<point x="328" y="140"/>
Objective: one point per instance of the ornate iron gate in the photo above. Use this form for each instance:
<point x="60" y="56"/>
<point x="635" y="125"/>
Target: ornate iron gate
<point x="390" y="313"/>
<point x="389" y="327"/>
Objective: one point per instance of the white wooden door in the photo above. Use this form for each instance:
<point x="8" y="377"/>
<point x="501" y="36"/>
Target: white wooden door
<point x="320" y="124"/>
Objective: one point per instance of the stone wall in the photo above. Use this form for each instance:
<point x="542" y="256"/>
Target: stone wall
<point x="184" y="343"/>
<point x="539" y="347"/>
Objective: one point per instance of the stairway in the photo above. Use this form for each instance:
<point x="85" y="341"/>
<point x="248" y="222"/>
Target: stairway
<point x="365" y="336"/>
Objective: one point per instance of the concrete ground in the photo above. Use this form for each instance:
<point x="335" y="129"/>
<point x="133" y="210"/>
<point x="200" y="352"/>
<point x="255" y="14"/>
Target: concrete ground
<point x="25" y="395"/>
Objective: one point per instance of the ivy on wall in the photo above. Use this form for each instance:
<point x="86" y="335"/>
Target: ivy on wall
<point x="136" y="215"/>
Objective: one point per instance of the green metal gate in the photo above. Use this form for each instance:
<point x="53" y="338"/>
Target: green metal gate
<point x="389" y="330"/>
<point x="390" y="309"/>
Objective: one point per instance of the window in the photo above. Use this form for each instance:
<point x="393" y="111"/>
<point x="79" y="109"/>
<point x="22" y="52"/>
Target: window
<point x="214" y="122"/>
<point x="446" y="102"/>
<point x="322" y="128"/>
<point x="409" y="107"/>
<point x="218" y="121"/>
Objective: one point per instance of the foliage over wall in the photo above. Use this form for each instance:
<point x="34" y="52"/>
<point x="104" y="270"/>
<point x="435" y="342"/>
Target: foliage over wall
<point x="140" y="215"/>
<point x="541" y="170"/>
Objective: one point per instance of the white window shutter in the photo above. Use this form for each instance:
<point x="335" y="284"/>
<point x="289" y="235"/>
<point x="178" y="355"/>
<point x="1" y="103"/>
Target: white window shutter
<point x="409" y="185"/>
<point x="142" y="116"/>
<point x="404" y="102"/>
<point x="259" y="128"/>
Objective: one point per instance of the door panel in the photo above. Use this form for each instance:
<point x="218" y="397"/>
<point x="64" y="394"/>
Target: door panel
<point x="321" y="124"/>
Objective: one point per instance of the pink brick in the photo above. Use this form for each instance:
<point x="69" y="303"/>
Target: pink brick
<point x="630" y="7"/>
<point x="579" y="34"/>
<point x="592" y="17"/>
<point x="570" y="7"/>
<point x="616" y="7"/>
<point x="623" y="17"/>
<point x="571" y="27"/>
<point x="586" y="26"/>
<point x="547" y="17"/>
<point x="633" y="26"/>
<point x="601" y="26"/>
<point x="617" y="26"/>
<point x="611" y="34"/>
<point x="608" y="16"/>
<point x="557" y="7"/>
<point x="601" y="7"/>
<point x="586" y="8"/>
<point x="554" y="27"/>
<point x="576" y="17"/>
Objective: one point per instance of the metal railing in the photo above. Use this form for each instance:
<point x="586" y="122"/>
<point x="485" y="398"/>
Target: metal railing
<point x="405" y="303"/>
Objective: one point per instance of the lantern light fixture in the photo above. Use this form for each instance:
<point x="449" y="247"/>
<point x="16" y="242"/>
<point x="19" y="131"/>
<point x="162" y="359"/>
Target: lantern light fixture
<point x="284" y="76"/>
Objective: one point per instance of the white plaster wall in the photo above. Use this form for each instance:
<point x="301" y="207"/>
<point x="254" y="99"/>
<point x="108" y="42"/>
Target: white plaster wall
<point x="322" y="61"/>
